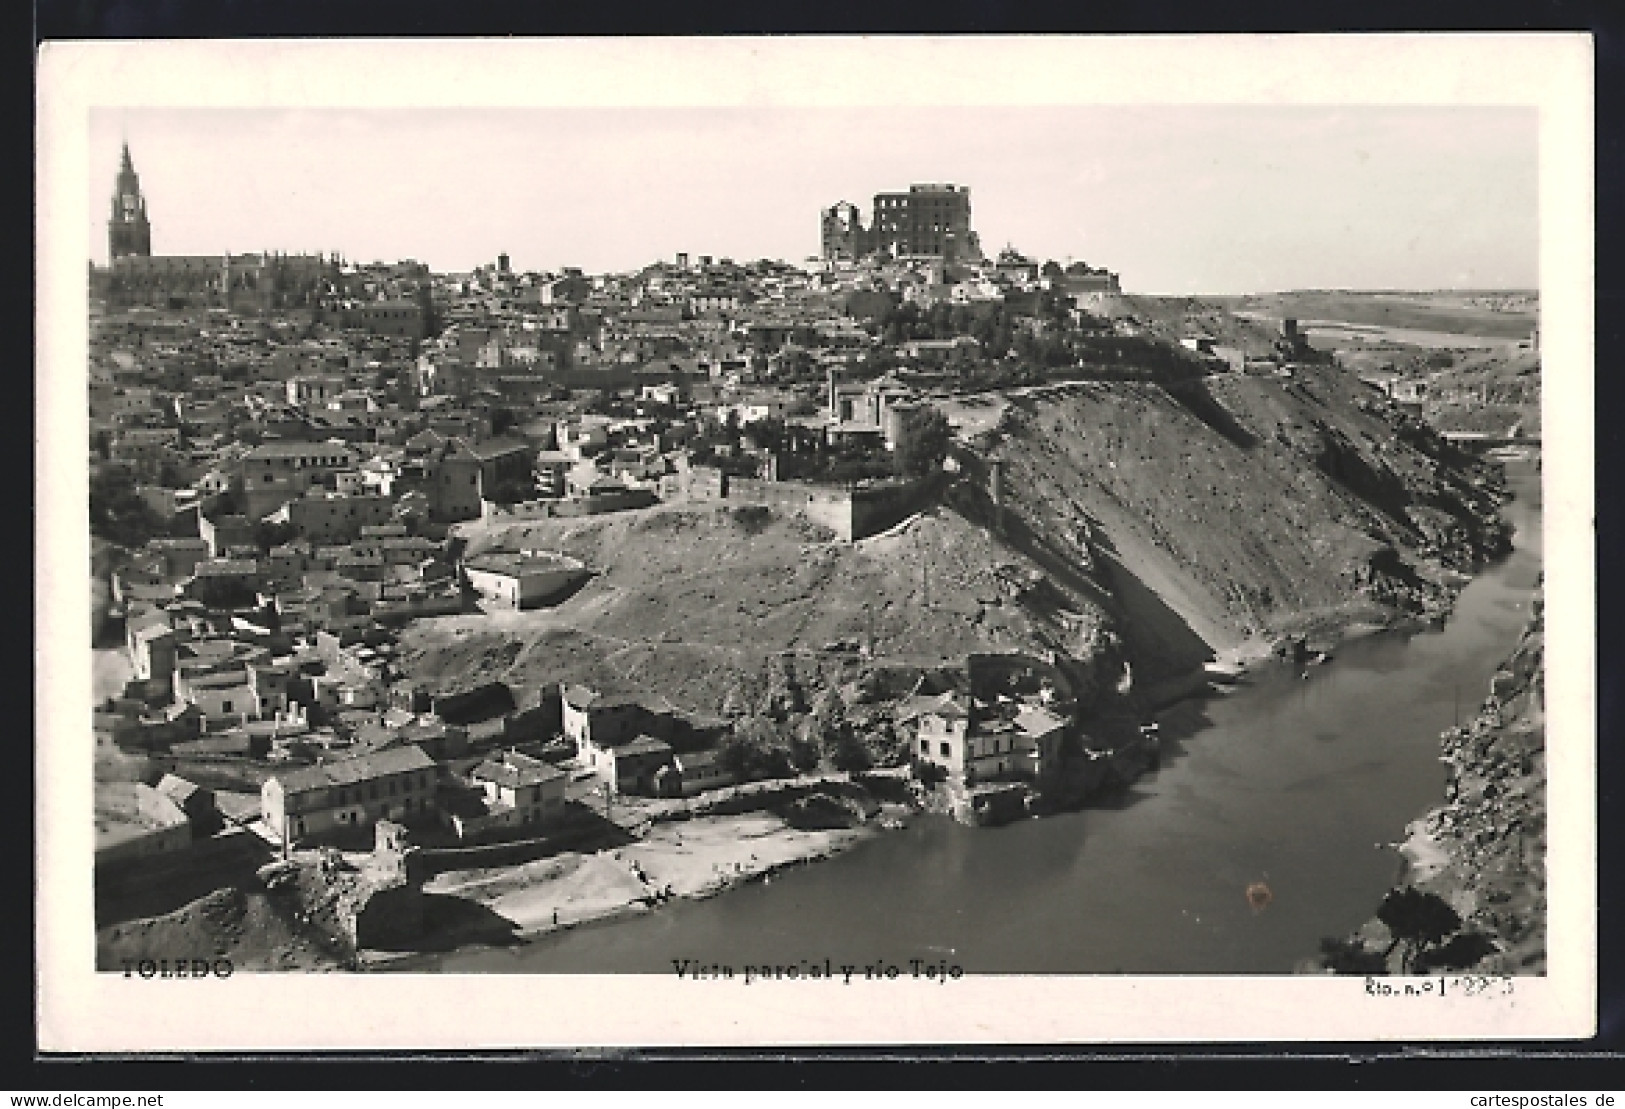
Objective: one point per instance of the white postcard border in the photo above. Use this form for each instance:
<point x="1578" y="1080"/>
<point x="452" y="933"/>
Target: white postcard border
<point x="80" y="1010"/>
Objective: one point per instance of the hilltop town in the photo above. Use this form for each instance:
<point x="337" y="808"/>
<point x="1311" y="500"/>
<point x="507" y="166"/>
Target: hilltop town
<point x="481" y="583"/>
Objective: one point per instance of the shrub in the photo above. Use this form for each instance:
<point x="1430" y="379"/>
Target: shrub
<point x="849" y="753"/>
<point x="927" y="773"/>
<point x="753" y="519"/>
<point x="804" y="755"/>
<point x="1419" y="920"/>
<point x="926" y="439"/>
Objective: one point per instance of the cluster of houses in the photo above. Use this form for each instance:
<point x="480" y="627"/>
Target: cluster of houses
<point x="485" y="784"/>
<point x="479" y="765"/>
<point x="343" y="412"/>
<point x="309" y="464"/>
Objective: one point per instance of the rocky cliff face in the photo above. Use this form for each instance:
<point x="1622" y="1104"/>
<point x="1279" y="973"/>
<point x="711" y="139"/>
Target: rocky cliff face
<point x="1492" y="828"/>
<point x="1238" y="508"/>
<point x="1484" y="851"/>
<point x="1139" y="529"/>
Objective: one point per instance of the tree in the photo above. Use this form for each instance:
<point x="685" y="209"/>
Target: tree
<point x="736" y="756"/>
<point x="503" y="419"/>
<point x="269" y="534"/>
<point x="796" y="364"/>
<point x="924" y="443"/>
<point x="927" y="773"/>
<point x="775" y="762"/>
<point x="117" y="512"/>
<point x="1419" y="920"/>
<point x="849" y="753"/>
<point x="768" y="433"/>
<point x="804" y="754"/>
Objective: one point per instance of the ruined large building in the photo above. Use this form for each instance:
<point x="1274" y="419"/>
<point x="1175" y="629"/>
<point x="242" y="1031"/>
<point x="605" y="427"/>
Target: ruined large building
<point x="927" y="221"/>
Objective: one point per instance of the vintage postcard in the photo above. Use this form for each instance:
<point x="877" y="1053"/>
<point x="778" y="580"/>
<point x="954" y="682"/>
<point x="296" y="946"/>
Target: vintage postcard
<point x="815" y="542"/>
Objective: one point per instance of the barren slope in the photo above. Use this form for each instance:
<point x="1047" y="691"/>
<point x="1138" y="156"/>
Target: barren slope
<point x="694" y="602"/>
<point x="1247" y="507"/>
<point x="1178" y="524"/>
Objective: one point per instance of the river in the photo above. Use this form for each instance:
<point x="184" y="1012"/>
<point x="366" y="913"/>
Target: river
<point x="1304" y="785"/>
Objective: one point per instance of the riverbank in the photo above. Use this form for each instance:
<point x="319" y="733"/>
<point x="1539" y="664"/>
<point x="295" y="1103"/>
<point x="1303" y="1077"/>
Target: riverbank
<point x="1483" y="851"/>
<point x="688" y="852"/>
<point x="683" y="860"/>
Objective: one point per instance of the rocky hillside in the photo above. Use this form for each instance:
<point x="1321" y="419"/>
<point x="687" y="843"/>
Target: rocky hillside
<point x="1175" y="318"/>
<point x="242" y="927"/>
<point x="719" y="608"/>
<point x="1484" y="851"/>
<point x="1142" y="529"/>
<point x="1240" y="508"/>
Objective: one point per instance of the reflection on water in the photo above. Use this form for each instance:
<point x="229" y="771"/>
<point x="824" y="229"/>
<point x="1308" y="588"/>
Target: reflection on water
<point x="1301" y="785"/>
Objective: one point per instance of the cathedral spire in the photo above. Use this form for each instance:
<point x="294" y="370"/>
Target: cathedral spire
<point x="128" y="231"/>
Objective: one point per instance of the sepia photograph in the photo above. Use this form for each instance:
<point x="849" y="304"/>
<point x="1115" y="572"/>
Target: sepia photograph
<point x="815" y="537"/>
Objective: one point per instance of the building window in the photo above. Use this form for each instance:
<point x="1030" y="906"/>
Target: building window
<point x="944" y="749"/>
<point x="925" y="746"/>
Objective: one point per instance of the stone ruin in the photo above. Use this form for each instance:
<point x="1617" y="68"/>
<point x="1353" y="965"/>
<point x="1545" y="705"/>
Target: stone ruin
<point x="386" y="908"/>
<point x="378" y="904"/>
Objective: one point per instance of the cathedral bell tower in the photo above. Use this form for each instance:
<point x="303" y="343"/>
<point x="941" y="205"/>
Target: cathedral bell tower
<point x="128" y="232"/>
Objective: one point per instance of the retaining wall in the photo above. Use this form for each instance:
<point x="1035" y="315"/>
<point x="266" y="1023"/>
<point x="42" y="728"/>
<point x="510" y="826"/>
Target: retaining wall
<point x="595" y="505"/>
<point x="426" y="862"/>
<point x="850" y="513"/>
<point x="878" y="508"/>
<point x="225" y="850"/>
<point x="824" y="505"/>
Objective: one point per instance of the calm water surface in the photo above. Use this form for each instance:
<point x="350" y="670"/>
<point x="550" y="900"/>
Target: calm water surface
<point x="1303" y="785"/>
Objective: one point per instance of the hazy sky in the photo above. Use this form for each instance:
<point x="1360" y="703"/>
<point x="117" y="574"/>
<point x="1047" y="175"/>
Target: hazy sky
<point x="1213" y="199"/>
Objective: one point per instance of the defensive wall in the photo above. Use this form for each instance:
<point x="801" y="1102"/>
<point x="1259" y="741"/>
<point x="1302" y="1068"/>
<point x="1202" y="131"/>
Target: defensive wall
<point x="400" y="612"/>
<point x="594" y="505"/>
<point x="115" y="873"/>
<point x="851" y="513"/>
